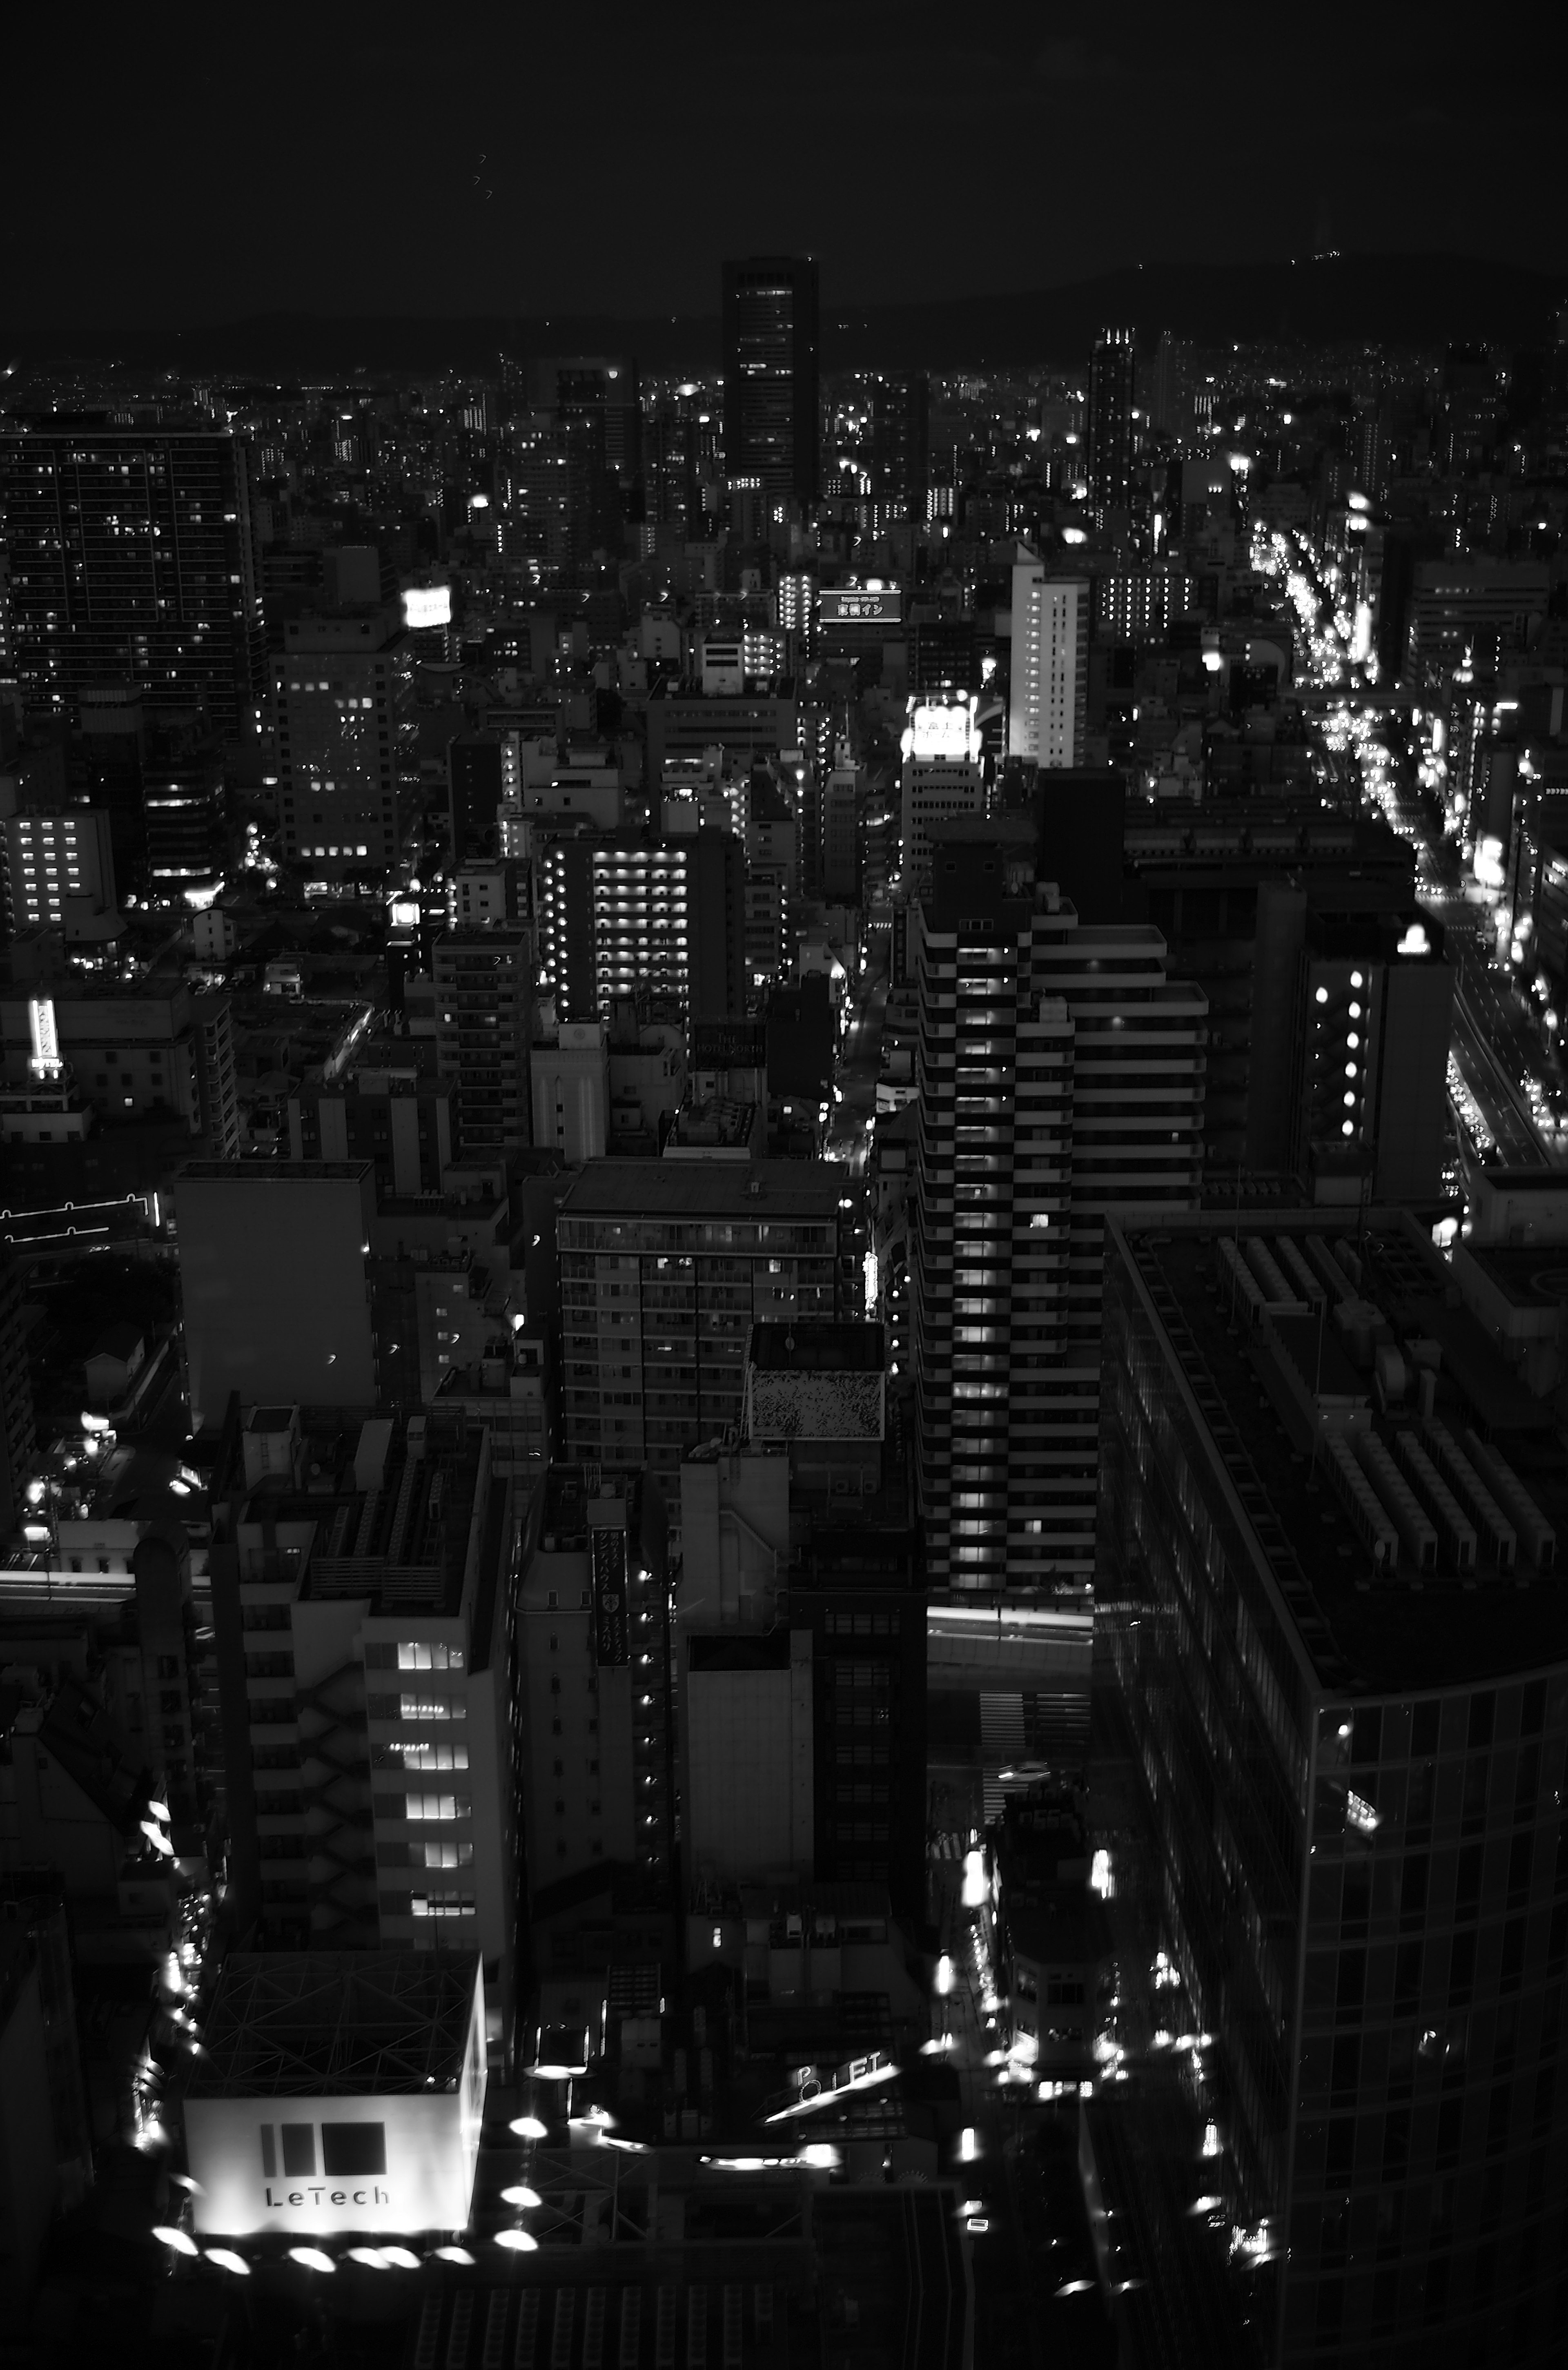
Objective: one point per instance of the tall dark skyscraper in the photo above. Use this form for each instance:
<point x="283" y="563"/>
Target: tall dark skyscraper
<point x="1111" y="379"/>
<point x="131" y="560"/>
<point x="901" y="435"/>
<point x="770" y="374"/>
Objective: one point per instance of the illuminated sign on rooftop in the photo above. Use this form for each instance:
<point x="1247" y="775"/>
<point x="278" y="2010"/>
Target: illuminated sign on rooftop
<point x="843" y="605"/>
<point x="942" y="729"/>
<point x="427" y="604"/>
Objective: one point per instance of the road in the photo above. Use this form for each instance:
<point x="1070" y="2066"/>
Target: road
<point x="859" y="1060"/>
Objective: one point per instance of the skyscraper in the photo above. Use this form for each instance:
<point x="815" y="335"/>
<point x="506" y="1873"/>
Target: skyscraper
<point x="131" y="557"/>
<point x="770" y="374"/>
<point x="483" y="1020"/>
<point x="901" y="438"/>
<point x="1111" y="388"/>
<point x="1060" y="1078"/>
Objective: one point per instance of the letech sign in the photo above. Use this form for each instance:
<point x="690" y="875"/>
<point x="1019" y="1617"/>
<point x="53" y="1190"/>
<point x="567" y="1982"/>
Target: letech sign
<point x="399" y="2162"/>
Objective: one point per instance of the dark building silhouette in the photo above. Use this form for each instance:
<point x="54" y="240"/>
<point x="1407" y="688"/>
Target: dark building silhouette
<point x="770" y="374"/>
<point x="1110" y="382"/>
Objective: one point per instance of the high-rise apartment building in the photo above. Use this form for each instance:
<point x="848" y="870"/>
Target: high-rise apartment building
<point x="1341" y="1665"/>
<point x="342" y="686"/>
<point x="484" y="1003"/>
<point x="1061" y="1078"/>
<point x="131" y="557"/>
<point x="1049" y="706"/>
<point x="770" y="374"/>
<point x="184" y="816"/>
<point x="1111" y="438"/>
<point x="160" y="1051"/>
<point x="663" y="1267"/>
<point x="618" y="916"/>
<point x="364" y="1620"/>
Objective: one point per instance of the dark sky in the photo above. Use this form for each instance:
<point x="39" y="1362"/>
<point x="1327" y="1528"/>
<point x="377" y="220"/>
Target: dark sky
<point x="169" y="164"/>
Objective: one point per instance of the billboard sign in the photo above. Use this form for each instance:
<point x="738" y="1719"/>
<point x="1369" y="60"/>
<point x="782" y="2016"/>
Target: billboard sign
<point x="942" y="729"/>
<point x="844" y="604"/>
<point x="397" y="2161"/>
<point x="425" y="606"/>
<point x="612" y="1634"/>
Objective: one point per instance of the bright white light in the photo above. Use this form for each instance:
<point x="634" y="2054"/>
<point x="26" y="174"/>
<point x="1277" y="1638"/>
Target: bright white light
<point x="944" y="1976"/>
<point x="427" y="604"/>
<point x="313" y="2259"/>
<point x="518" y="2242"/>
<point x="1414" y="941"/>
<point x="974" y="1886"/>
<point x="521" y="2194"/>
<point x="529" y="2127"/>
<point x="227" y="2261"/>
<point x="1100" y="1874"/>
<point x="968" y="2145"/>
<point x="820" y="2156"/>
<point x="402" y="2259"/>
<point x="180" y="2240"/>
<point x="454" y="2254"/>
<point x="371" y="2258"/>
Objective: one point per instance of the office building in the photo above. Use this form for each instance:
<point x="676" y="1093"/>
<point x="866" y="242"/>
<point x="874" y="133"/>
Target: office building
<point x="385" y="1109"/>
<point x="162" y="1050"/>
<point x="664" y="1265"/>
<point x="595" y="1706"/>
<point x="273" y="1284"/>
<point x="482" y="775"/>
<point x="131" y="557"/>
<point x="1060" y="1078"/>
<point x="1047" y="714"/>
<point x="184" y="816"/>
<point x="770" y="376"/>
<point x="58" y="873"/>
<point x="620" y="916"/>
<point x="342" y="686"/>
<point x="1344" y="1723"/>
<point x="1111" y="426"/>
<point x="1251" y="903"/>
<point x="1476" y="612"/>
<point x="363" y="1580"/>
<point x="685" y="721"/>
<point x="483" y="1022"/>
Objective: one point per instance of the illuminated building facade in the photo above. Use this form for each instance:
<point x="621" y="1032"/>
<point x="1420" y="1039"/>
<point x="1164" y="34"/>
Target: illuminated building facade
<point x="364" y="1646"/>
<point x="770" y="376"/>
<point x="343" y="688"/>
<point x="618" y="916"/>
<point x="1060" y="1078"/>
<point x="942" y="777"/>
<point x="1348" y="1885"/>
<point x="59" y="868"/>
<point x="1050" y="666"/>
<point x="131" y="557"/>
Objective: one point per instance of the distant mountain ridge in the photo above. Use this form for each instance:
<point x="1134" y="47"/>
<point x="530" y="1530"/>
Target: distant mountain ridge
<point x="1418" y="300"/>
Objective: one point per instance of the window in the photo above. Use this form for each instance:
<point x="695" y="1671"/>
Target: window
<point x="444" y="1855"/>
<point x="438" y="1806"/>
<point x="424" y="1655"/>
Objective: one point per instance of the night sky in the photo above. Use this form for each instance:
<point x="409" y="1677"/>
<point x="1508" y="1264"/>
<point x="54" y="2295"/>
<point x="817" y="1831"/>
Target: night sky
<point x="171" y="165"/>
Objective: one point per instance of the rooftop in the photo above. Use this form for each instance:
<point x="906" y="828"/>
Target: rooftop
<point x="327" y="2023"/>
<point x="787" y="1188"/>
<point x="1421" y="1620"/>
<point x="814" y="1349"/>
